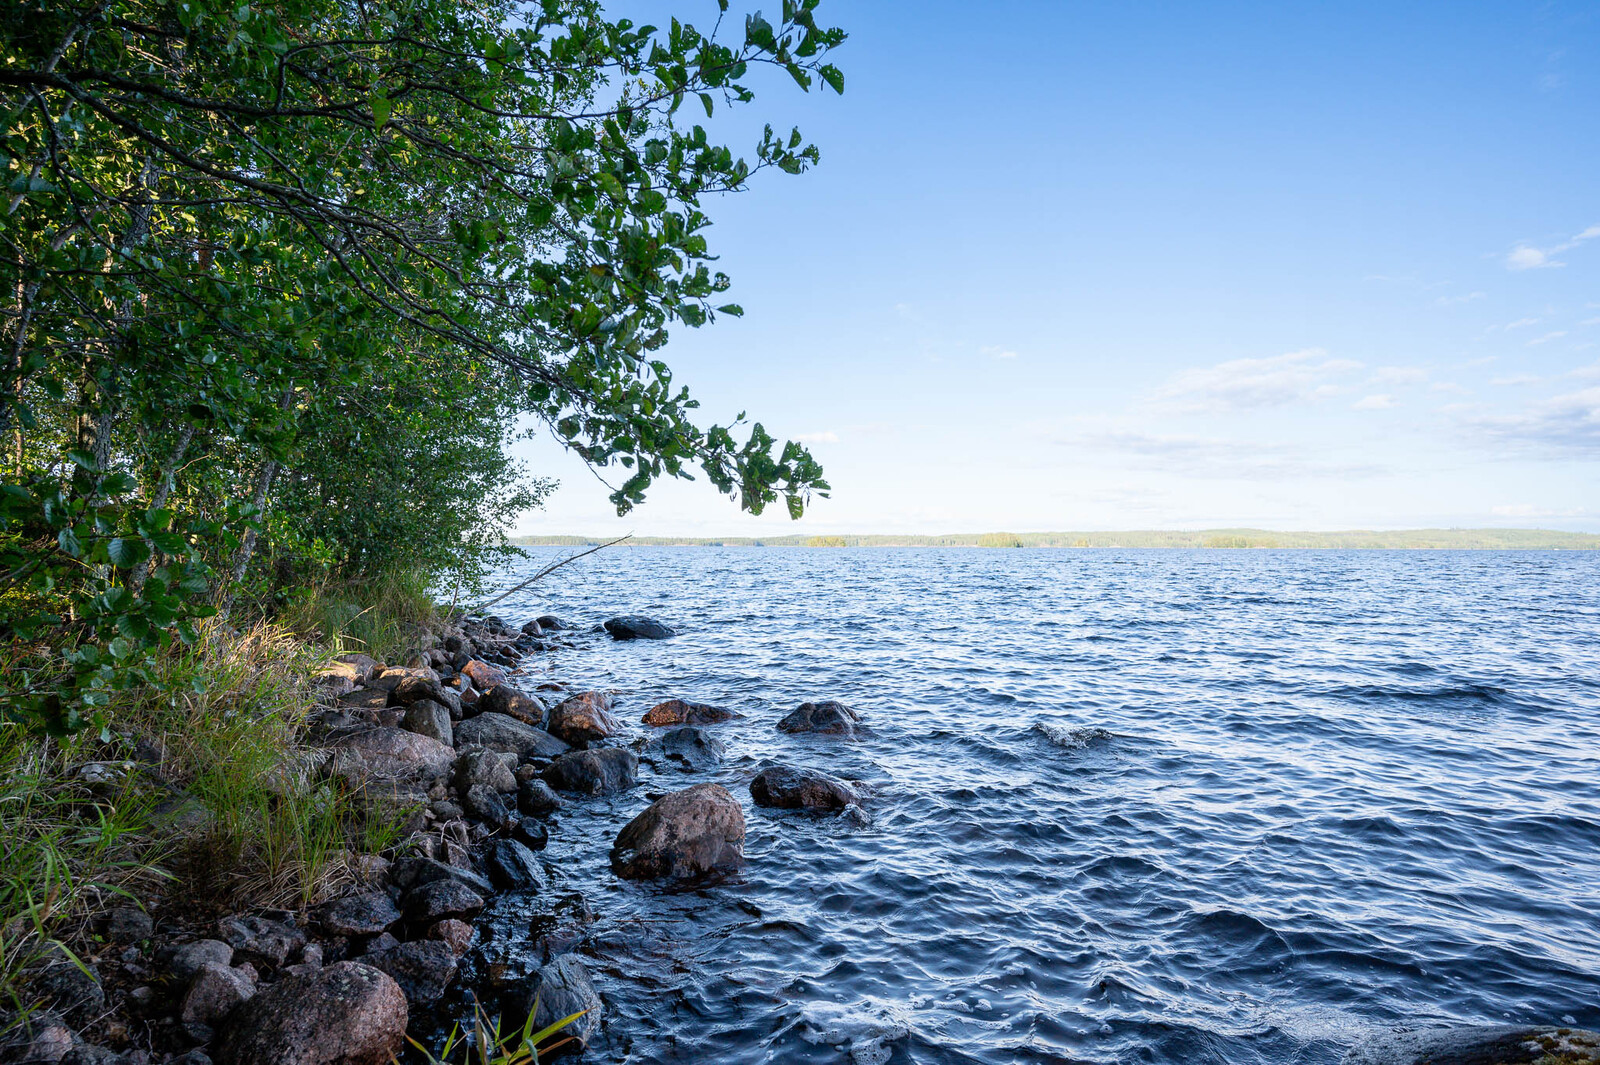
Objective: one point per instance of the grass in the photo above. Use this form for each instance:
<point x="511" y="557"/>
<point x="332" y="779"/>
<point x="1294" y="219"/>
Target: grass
<point x="379" y="617"/>
<point x="486" y="1044"/>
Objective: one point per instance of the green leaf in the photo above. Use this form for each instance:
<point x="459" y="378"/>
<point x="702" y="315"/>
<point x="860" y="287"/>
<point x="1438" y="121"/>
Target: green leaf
<point x="380" y="107"/>
<point x="127" y="552"/>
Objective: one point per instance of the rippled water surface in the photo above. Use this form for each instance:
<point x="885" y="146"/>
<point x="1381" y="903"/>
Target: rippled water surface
<point x="1138" y="806"/>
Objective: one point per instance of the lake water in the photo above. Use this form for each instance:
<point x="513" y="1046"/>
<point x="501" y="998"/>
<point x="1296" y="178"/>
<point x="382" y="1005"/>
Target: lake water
<point x="1131" y="806"/>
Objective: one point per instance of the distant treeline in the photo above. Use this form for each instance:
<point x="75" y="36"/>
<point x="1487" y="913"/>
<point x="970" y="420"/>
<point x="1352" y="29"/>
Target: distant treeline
<point x="1352" y="539"/>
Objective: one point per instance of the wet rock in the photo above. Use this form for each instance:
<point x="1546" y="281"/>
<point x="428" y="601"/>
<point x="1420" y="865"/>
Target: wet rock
<point x="392" y="754"/>
<point x="358" y="915"/>
<point x="261" y="939"/>
<point x="69" y="987"/>
<point x="186" y="959"/>
<point x="535" y="797"/>
<point x="551" y="622"/>
<point x="512" y="867"/>
<point x="215" y="992"/>
<point x="428" y="718"/>
<point x="692" y="749"/>
<point x="126" y="924"/>
<point x="483" y="675"/>
<point x="584" y="719"/>
<point x="532" y="628"/>
<point x="827" y="718"/>
<point x="605" y="771"/>
<point x="480" y="765"/>
<point x="1479" y="1045"/>
<point x="434" y="901"/>
<point x="501" y="733"/>
<point x="637" y="627"/>
<point x="788" y="788"/>
<point x="559" y="990"/>
<point x="456" y="934"/>
<point x="485" y="804"/>
<point x="855" y="815"/>
<point x="684" y="834"/>
<point x="681" y="712"/>
<point x="531" y="833"/>
<point x="504" y="699"/>
<point x="409" y="873"/>
<point x="345" y="1014"/>
<point x="423" y="968"/>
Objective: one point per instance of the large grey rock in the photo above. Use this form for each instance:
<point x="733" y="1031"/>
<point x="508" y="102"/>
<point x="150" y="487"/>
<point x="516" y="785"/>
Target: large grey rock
<point x="186" y="959"/>
<point x="584" y="719"/>
<point x="215" y="992"/>
<point x="480" y="765"/>
<point x="441" y="898"/>
<point x="637" y="627"/>
<point x="682" y="712"/>
<point x="485" y="804"/>
<point x="687" y="833"/>
<point x="504" y="699"/>
<point x="1479" y="1045"/>
<point x="501" y="733"/>
<point x="428" y="718"/>
<point x="423" y="968"/>
<point x="410" y="872"/>
<point x="513" y="867"/>
<point x="788" y="788"/>
<point x="390" y="754"/>
<point x="828" y="718"/>
<point x="689" y="748"/>
<point x="365" y="914"/>
<point x="345" y="1014"/>
<point x="559" y="990"/>
<point x="605" y="771"/>
<point x="537" y="798"/>
<point x="261" y="939"/>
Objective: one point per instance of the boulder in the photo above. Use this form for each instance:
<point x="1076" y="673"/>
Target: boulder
<point x="535" y="797"/>
<point x="365" y="914"/>
<point x="365" y="699"/>
<point x="365" y="666"/>
<point x="559" y="990"/>
<point x="408" y="873"/>
<point x="186" y="959"/>
<point x="423" y="968"/>
<point x="787" y="788"/>
<point x="504" y="699"/>
<point x="531" y="833"/>
<point x="501" y="733"/>
<point x="456" y="934"/>
<point x="483" y="675"/>
<point x="684" y="834"/>
<point x="827" y="718"/>
<point x="689" y="748"/>
<point x="604" y="771"/>
<point x="512" y="867"/>
<point x="485" y="804"/>
<point x="429" y="718"/>
<point x="681" y="712"/>
<point x="215" y="992"/>
<point x="551" y="622"/>
<point x="532" y="628"/>
<point x="637" y="627"/>
<point x="391" y="754"/>
<point x="480" y="765"/>
<point x="584" y="719"/>
<point x="439" y="899"/>
<point x="261" y="939"/>
<point x="391" y="678"/>
<point x="340" y="678"/>
<point x="345" y="1014"/>
<point x="1479" y="1045"/>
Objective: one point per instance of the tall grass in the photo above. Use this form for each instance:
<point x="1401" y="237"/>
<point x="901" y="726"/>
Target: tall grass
<point x="379" y="617"/>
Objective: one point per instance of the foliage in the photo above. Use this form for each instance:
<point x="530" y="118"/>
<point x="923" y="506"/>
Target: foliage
<point x="487" y="1044"/>
<point x="280" y="280"/>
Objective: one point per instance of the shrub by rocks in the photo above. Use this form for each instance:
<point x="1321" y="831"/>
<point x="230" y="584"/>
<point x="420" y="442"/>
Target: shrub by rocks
<point x="685" y="834"/>
<point x="682" y="712"/>
<point x="827" y="718"/>
<point x="604" y="771"/>
<point x="787" y="788"/>
<point x="345" y="1014"/>
<point x="637" y="627"/>
<point x="583" y="719"/>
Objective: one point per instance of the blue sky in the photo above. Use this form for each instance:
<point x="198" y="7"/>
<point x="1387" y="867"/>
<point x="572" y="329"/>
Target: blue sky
<point x="1122" y="265"/>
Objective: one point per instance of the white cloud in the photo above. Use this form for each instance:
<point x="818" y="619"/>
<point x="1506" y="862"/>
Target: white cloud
<point x="1447" y="386"/>
<point x="1590" y="321"/>
<point x="1250" y="384"/>
<point x="1451" y="301"/>
<point x="995" y="351"/>
<point x="1398" y="375"/>
<point x="1527" y="257"/>
<point x="828" y="437"/>
<point x="1521" y="323"/>
<point x="1591" y="370"/>
<point x="1382" y="401"/>
<point x="1556" y="335"/>
<point x="1199" y="456"/>
<point x="1563" y="425"/>
<point x="1515" y="379"/>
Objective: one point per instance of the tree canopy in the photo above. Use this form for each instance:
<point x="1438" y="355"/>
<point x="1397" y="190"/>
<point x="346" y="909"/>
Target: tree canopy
<point x="287" y="275"/>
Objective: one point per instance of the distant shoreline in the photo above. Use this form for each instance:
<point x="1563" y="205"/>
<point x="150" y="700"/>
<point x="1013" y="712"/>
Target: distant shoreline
<point x="1202" y="539"/>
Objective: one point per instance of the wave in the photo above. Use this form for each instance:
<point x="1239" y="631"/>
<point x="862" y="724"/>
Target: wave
<point x="1073" y="739"/>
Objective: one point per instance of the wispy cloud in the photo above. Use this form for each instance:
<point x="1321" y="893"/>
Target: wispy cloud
<point x="1526" y="256"/>
<point x="1555" y="335"/>
<point x="1381" y="401"/>
<point x="1454" y="301"/>
<point x="828" y="437"/>
<point x="1199" y="456"/>
<point x="1398" y="375"/>
<point x="1521" y="323"/>
<point x="1250" y="384"/>
<point x="1567" y="425"/>
<point x="1515" y="379"/>
<point x="995" y="351"/>
<point x="1447" y="386"/>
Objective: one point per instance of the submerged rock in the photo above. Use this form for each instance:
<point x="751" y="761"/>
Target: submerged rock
<point x="584" y="719"/>
<point x="1479" y="1045"/>
<point x="682" y="712"/>
<point x="345" y="1014"/>
<point x="787" y="788"/>
<point x="605" y="771"/>
<point x="559" y="990"/>
<point x="501" y="733"/>
<point x="684" y="834"/>
<point x="551" y="622"/>
<point x="691" y="749"/>
<point x="827" y="718"/>
<point x="637" y="627"/>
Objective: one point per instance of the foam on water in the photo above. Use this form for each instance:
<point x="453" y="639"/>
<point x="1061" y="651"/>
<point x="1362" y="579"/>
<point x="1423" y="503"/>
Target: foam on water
<point x="1218" y="808"/>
